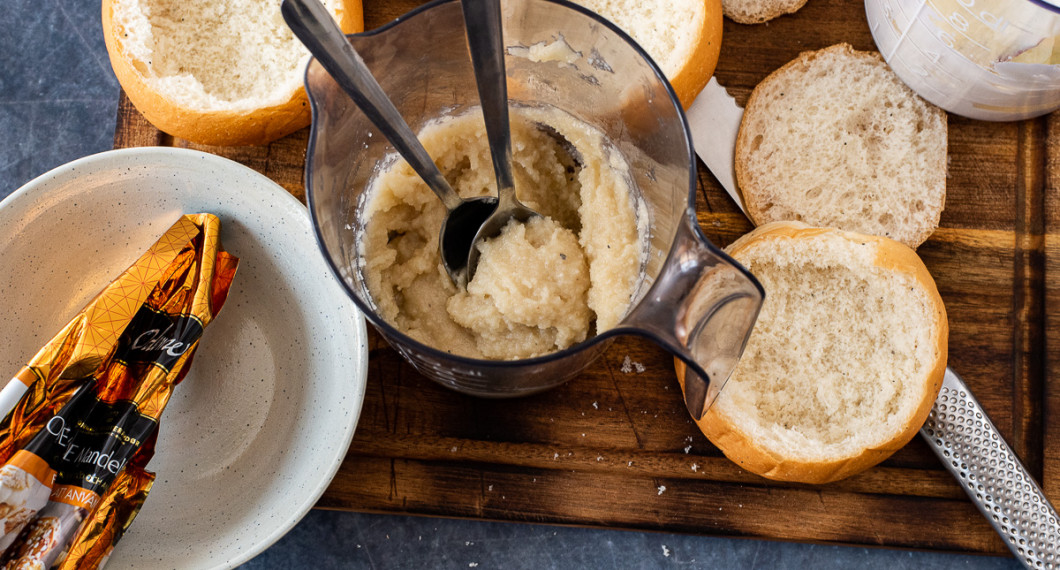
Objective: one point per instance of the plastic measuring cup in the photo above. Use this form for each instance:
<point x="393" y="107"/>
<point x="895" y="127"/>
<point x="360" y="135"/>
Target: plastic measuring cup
<point x="692" y="298"/>
<point x="996" y="60"/>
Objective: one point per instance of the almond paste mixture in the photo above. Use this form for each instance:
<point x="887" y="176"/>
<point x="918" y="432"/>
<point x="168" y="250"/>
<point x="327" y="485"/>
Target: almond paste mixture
<point x="540" y="286"/>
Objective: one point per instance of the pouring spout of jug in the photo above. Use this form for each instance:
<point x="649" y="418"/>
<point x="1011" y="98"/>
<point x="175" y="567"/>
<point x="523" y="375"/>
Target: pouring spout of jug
<point x="702" y="308"/>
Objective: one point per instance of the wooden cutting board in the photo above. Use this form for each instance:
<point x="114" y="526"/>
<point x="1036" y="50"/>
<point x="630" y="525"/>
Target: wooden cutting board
<point x="615" y="446"/>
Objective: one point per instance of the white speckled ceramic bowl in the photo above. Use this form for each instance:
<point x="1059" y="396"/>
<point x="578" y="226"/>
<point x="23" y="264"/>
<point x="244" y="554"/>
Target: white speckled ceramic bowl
<point x="259" y="426"/>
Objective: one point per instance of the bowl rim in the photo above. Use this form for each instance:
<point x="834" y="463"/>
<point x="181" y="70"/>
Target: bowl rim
<point x="281" y="204"/>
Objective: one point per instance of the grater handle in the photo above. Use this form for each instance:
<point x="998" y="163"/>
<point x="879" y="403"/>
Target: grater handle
<point x="969" y="445"/>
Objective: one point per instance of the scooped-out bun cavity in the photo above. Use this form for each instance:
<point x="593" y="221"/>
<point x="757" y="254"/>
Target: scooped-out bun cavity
<point x="217" y="72"/>
<point x="682" y="36"/>
<point x="844" y="363"/>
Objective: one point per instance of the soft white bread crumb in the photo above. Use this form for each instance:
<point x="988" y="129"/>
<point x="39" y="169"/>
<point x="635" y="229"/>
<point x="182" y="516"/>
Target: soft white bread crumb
<point x="835" y="139"/>
<point x="682" y="36"/>
<point x="844" y="362"/>
<point x="216" y="72"/>
<point x="758" y="11"/>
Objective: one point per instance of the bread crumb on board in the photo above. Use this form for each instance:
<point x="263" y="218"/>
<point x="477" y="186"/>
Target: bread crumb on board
<point x="629" y="366"/>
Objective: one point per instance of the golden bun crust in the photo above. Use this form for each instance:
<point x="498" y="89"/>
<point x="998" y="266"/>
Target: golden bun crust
<point x="743" y="450"/>
<point x="223" y="128"/>
<point x="699" y="67"/>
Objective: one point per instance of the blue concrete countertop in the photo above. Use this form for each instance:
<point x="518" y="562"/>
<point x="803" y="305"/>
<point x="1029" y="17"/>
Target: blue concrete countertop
<point x="58" y="102"/>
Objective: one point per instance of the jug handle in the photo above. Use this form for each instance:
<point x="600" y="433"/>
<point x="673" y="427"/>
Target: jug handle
<point x="701" y="307"/>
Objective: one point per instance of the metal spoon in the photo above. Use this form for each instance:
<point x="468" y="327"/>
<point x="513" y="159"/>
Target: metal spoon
<point x="314" y="26"/>
<point x="482" y="19"/>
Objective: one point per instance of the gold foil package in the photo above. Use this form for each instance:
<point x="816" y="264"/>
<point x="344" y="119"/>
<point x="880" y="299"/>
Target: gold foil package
<point x="82" y="416"/>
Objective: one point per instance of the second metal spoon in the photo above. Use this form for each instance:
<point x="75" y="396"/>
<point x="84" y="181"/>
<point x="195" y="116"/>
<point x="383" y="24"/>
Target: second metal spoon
<point x="482" y="19"/>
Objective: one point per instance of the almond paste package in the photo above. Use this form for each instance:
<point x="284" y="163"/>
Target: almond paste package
<point x="81" y="417"/>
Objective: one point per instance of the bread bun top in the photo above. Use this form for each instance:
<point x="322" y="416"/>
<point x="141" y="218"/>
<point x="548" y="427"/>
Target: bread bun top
<point x="835" y="139"/>
<point x="218" y="72"/>
<point x="844" y="363"/>
<point x="758" y="11"/>
<point x="683" y="37"/>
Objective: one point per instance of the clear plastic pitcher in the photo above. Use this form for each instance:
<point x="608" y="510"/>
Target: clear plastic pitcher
<point x="997" y="60"/>
<point x="693" y="299"/>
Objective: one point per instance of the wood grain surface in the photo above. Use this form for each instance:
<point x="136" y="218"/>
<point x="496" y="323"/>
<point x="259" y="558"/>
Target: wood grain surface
<point x="615" y="446"/>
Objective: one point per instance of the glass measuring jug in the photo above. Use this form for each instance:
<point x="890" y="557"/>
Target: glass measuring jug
<point x="996" y="60"/>
<point x="692" y="298"/>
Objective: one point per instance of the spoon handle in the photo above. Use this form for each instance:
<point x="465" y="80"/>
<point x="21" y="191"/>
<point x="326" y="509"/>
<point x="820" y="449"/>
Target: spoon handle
<point x="482" y="19"/>
<point x="314" y="26"/>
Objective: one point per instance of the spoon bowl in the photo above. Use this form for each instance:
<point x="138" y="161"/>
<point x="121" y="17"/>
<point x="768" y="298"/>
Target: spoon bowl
<point x="458" y="238"/>
<point x="505" y="211"/>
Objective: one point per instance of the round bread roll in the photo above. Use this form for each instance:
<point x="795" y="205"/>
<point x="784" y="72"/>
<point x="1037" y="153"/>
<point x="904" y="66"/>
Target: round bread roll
<point x="216" y="72"/>
<point x="844" y="363"/>
<point x="758" y="11"/>
<point x="683" y="37"/>
<point x="835" y="139"/>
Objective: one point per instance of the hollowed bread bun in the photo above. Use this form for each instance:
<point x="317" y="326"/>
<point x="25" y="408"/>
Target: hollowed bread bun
<point x="844" y="363"/>
<point x="682" y="36"/>
<point x="216" y="72"/>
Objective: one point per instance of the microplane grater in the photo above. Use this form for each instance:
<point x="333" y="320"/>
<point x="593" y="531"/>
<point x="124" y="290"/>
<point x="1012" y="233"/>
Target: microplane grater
<point x="969" y="445"/>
